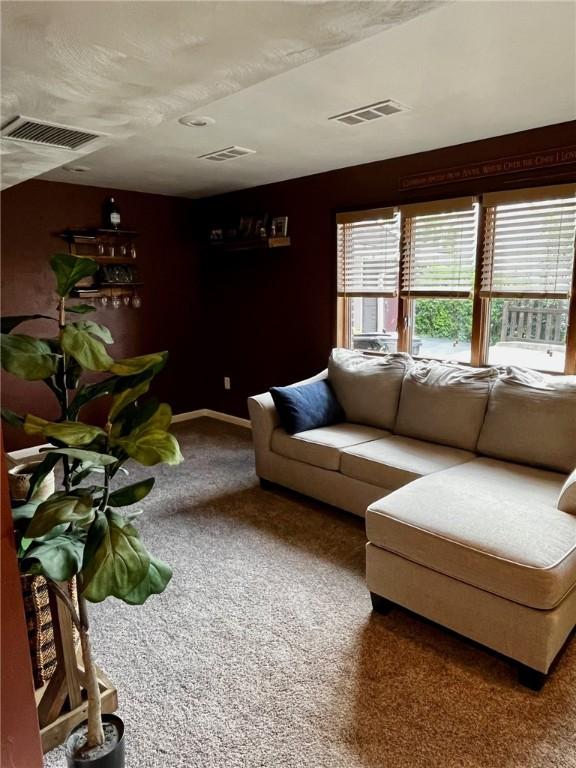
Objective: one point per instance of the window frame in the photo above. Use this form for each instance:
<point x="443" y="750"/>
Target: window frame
<point x="480" y="306"/>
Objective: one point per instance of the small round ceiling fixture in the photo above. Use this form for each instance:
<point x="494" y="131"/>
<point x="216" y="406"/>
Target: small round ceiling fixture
<point x="196" y="121"/>
<point x="76" y="168"/>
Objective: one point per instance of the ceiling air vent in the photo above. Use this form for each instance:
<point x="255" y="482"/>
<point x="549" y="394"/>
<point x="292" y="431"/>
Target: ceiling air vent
<point x="32" y="131"/>
<point x="230" y="153"/>
<point x="371" y="112"/>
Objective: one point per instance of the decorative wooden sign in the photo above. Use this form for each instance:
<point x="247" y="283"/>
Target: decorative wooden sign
<point x="514" y="164"/>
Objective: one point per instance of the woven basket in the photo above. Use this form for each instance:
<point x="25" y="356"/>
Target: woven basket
<point x="19" y="482"/>
<point x="40" y="626"/>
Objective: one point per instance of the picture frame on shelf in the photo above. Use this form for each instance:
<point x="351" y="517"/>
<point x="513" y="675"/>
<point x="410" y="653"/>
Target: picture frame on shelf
<point x="279" y="226"/>
<point x="261" y="225"/>
<point x="216" y="235"/>
<point x="246" y="227"/>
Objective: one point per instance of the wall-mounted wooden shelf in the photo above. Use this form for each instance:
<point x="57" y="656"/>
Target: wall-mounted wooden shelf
<point x="94" y="233"/>
<point x="114" y="259"/>
<point x="260" y="244"/>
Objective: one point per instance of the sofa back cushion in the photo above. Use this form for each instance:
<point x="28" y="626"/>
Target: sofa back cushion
<point x="368" y="388"/>
<point x="444" y="403"/>
<point x="531" y="419"/>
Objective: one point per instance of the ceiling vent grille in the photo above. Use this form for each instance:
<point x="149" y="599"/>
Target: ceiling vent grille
<point x="230" y="153"/>
<point x="32" y="131"/>
<point x="371" y="112"/>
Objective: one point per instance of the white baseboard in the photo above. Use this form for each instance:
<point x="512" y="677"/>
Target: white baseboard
<point x="209" y="413"/>
<point x="24" y="454"/>
<point x="188" y="415"/>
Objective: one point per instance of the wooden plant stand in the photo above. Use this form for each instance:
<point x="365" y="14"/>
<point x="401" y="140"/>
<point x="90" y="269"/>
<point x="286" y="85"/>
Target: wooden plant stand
<point x="62" y="702"/>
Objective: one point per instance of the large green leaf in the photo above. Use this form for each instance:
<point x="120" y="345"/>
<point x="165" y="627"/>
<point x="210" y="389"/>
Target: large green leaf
<point x="74" y="433"/>
<point x="155" y="582"/>
<point x="10" y="417"/>
<point x="96" y="534"/>
<point x="113" y="385"/>
<point x="27" y="357"/>
<point x="151" y="443"/>
<point x="57" y="510"/>
<point x="8" y="323"/>
<point x="131" y="494"/>
<point x="134" y="415"/>
<point x="25" y="511"/>
<point x="72" y="374"/>
<point x="84" y="347"/>
<point x="69" y="269"/>
<point x="87" y="393"/>
<point x="81" y="309"/>
<point x="59" y="558"/>
<point x="118" y="564"/>
<point x="100" y="331"/>
<point x="127" y="397"/>
<point x="132" y="365"/>
<point x="99" y="459"/>
<point x="154" y="446"/>
<point x="42" y="471"/>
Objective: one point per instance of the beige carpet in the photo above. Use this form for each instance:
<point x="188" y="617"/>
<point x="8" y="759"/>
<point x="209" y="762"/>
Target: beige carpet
<point x="264" y="652"/>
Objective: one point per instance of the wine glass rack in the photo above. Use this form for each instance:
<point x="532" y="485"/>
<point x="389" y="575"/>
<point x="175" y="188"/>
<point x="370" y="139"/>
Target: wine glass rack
<point x="115" y="252"/>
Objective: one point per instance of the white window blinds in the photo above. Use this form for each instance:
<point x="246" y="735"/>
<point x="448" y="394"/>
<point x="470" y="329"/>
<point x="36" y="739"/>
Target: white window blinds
<point x="368" y="253"/>
<point x="528" y="248"/>
<point x="439" y="253"/>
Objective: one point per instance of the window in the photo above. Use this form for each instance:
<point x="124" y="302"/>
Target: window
<point x="368" y="264"/>
<point x="527" y="265"/>
<point x="438" y="268"/>
<point x="487" y="280"/>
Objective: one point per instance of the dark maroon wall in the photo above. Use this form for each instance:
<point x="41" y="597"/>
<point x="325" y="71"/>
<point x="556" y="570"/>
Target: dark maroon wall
<point x="260" y="318"/>
<point x="170" y="315"/>
<point x="270" y="316"/>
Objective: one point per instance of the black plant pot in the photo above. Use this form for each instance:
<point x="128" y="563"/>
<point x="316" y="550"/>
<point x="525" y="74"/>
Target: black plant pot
<point x="113" y="758"/>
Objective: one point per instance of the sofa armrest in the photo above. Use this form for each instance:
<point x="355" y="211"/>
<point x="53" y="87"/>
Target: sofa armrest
<point x="264" y="420"/>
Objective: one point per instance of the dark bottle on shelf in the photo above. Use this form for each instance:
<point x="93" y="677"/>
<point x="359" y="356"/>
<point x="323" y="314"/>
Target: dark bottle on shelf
<point x="111" y="214"/>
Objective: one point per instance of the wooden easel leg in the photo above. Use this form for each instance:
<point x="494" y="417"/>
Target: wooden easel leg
<point x="67" y="684"/>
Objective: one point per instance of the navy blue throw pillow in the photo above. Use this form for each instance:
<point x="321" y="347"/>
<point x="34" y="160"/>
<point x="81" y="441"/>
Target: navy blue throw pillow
<point x="307" y="406"/>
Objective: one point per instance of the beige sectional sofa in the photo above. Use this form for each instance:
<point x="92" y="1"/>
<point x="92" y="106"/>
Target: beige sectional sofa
<point x="463" y="477"/>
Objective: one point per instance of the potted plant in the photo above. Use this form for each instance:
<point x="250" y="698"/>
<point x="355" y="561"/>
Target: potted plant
<point x="81" y="531"/>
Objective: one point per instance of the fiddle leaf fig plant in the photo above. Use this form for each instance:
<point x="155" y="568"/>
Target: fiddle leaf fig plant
<point x="82" y="530"/>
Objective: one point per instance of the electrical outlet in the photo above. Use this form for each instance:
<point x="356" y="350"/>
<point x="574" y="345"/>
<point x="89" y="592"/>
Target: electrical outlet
<point x="226" y="382"/>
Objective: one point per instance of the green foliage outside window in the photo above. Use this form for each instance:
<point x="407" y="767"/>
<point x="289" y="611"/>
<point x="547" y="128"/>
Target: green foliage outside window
<point x="452" y="319"/>
<point x="444" y="318"/>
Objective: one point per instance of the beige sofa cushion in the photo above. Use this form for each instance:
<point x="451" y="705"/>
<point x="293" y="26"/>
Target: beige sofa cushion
<point x="368" y="388"/>
<point x="567" y="498"/>
<point x="531" y="419"/>
<point x="522" y="552"/>
<point x="395" y="461"/>
<point x="321" y="447"/>
<point x="507" y="480"/>
<point x="444" y="403"/>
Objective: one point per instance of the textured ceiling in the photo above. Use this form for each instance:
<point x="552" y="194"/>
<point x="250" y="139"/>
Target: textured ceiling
<point x="124" y="67"/>
<point x="271" y="74"/>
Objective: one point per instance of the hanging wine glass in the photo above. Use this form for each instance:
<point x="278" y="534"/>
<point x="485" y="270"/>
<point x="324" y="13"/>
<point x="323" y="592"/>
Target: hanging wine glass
<point x="126" y="300"/>
<point x="104" y="301"/>
<point x="116" y="303"/>
<point x="136" y="301"/>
